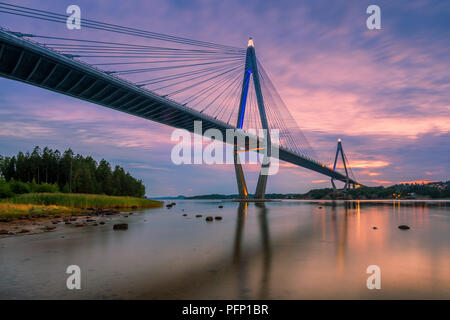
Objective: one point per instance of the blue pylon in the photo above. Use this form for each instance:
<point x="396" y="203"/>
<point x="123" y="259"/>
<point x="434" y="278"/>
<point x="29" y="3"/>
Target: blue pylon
<point x="251" y="69"/>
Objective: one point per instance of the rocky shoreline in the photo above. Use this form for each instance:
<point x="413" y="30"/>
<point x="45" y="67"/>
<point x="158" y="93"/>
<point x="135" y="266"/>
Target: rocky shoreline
<point x="38" y="223"/>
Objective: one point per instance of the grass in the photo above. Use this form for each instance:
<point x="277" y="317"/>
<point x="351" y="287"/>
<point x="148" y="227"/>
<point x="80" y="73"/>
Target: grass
<point x="13" y="210"/>
<point x="61" y="203"/>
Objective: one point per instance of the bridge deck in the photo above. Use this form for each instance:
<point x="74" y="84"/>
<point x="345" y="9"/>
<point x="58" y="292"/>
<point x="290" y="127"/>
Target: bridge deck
<point x="29" y="62"/>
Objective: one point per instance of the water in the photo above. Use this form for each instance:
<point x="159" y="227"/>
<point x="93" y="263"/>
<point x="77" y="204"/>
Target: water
<point x="287" y="250"/>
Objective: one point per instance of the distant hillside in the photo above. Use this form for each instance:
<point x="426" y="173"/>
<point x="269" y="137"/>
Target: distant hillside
<point x="434" y="190"/>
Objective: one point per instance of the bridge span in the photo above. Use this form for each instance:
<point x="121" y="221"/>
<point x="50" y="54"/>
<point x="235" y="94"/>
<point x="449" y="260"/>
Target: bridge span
<point x="24" y="60"/>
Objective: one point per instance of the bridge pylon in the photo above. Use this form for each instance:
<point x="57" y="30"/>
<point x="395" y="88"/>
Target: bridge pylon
<point x="251" y="70"/>
<point x="341" y="151"/>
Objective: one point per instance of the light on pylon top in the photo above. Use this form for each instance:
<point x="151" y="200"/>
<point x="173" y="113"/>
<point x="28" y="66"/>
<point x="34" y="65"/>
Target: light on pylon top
<point x="250" y="42"/>
<point x="339" y="140"/>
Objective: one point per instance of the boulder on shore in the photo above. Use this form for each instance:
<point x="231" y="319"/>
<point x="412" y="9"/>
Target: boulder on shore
<point x="121" y="226"/>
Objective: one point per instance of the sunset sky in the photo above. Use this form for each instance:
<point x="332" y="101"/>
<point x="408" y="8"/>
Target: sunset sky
<point x="385" y="93"/>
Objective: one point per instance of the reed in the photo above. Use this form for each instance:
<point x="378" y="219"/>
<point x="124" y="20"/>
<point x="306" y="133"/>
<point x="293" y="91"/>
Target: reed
<point x="75" y="200"/>
<point x="15" y="210"/>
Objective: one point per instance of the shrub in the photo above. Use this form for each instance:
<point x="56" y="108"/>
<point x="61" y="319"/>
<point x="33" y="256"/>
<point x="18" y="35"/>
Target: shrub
<point x="18" y="187"/>
<point x="46" y="187"/>
<point x="5" y="191"/>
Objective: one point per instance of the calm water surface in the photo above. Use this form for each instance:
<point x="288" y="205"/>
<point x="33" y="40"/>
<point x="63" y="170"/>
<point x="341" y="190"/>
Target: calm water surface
<point x="285" y="250"/>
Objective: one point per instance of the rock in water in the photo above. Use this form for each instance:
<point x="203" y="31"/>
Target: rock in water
<point x="121" y="226"/>
<point x="198" y="216"/>
<point x="184" y="214"/>
<point x="218" y="218"/>
<point x="209" y="219"/>
<point x="374" y="228"/>
<point x="49" y="228"/>
<point x="220" y="207"/>
<point x="404" y="227"/>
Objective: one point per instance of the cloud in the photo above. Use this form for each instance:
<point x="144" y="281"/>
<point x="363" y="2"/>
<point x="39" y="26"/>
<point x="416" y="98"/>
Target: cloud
<point x="368" y="164"/>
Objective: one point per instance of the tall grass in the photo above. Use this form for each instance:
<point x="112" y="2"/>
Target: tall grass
<point x="14" y="210"/>
<point x="76" y="200"/>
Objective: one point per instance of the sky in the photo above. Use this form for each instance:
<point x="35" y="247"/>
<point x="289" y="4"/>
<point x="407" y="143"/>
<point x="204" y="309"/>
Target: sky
<point x="385" y="93"/>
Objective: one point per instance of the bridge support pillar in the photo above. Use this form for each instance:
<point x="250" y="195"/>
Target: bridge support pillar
<point x="240" y="178"/>
<point x="251" y="70"/>
<point x="341" y="151"/>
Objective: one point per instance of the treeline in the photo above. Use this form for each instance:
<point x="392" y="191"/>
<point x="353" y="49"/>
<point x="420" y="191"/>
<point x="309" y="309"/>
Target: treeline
<point x="68" y="173"/>
<point x="437" y="190"/>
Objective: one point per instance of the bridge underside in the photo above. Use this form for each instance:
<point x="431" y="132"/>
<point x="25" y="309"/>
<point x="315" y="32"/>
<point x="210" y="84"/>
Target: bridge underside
<point x="29" y="62"/>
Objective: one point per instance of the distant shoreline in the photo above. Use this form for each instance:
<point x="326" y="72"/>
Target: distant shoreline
<point x="431" y="191"/>
<point x="305" y="199"/>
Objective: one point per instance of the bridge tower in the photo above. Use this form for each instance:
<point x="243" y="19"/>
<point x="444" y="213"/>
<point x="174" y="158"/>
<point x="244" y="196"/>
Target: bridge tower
<point x="251" y="70"/>
<point x="341" y="151"/>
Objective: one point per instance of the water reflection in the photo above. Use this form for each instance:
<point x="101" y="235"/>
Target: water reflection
<point x="241" y="262"/>
<point x="289" y="250"/>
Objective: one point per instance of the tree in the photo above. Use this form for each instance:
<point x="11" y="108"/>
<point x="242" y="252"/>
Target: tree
<point x="103" y="175"/>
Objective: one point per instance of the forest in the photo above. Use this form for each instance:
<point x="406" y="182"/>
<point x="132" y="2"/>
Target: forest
<point x="47" y="170"/>
<point x="434" y="190"/>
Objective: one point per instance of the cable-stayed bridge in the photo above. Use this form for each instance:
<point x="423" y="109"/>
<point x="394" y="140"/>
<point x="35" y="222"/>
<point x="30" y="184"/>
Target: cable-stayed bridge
<point x="171" y="80"/>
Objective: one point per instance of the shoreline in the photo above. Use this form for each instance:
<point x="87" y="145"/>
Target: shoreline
<point x="42" y="212"/>
<point x="36" y="224"/>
